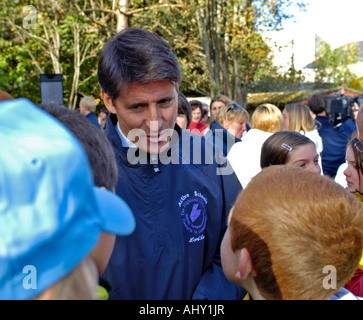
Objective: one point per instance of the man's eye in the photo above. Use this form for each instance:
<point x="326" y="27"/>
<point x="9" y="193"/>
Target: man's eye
<point x="137" y="107"/>
<point x="164" y="102"/>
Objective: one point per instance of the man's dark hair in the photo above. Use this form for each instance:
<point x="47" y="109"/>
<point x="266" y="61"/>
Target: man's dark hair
<point x="184" y="108"/>
<point x="136" y="56"/>
<point x="96" y="145"/>
<point x="316" y="103"/>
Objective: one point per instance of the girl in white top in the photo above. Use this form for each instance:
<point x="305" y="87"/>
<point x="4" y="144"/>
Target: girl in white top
<point x="244" y="156"/>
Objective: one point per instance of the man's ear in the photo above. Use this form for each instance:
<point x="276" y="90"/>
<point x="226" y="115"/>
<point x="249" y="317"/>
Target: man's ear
<point x="245" y="265"/>
<point x="107" y="100"/>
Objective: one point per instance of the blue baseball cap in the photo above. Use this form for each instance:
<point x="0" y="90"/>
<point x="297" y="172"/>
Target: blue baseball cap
<point x="51" y="214"/>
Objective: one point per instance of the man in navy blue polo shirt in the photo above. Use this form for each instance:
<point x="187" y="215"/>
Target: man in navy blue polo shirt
<point x="335" y="138"/>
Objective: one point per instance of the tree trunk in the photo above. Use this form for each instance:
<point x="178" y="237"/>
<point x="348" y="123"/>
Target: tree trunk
<point x="216" y="44"/>
<point x="77" y="58"/>
<point x="225" y="63"/>
<point x="237" y="89"/>
<point x="243" y="95"/>
<point x="122" y="19"/>
<point x="203" y="34"/>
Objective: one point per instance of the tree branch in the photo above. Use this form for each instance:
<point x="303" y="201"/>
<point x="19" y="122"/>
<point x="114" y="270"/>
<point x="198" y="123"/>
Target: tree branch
<point x="26" y="46"/>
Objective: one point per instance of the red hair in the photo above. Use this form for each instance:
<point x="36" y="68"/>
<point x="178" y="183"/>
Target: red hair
<point x="294" y="223"/>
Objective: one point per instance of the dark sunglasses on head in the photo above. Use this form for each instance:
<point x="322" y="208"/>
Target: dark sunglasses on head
<point x="234" y="106"/>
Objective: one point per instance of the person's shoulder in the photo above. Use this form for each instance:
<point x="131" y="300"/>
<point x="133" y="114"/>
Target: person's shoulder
<point x="254" y="137"/>
<point x="93" y="118"/>
<point x="236" y="147"/>
<point x="349" y="122"/>
<point x="322" y="121"/>
<point x="312" y="134"/>
<point x="111" y="132"/>
<point x="349" y="125"/>
<point x="214" y="125"/>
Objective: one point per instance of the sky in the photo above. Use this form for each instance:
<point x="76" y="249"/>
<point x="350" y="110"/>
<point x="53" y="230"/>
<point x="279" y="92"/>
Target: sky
<point x="337" y="22"/>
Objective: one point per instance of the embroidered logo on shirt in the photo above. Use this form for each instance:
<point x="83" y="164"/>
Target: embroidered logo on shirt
<point x="193" y="214"/>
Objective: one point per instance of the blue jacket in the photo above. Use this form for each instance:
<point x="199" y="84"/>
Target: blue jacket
<point x="334" y="140"/>
<point x="93" y="118"/>
<point x="180" y="214"/>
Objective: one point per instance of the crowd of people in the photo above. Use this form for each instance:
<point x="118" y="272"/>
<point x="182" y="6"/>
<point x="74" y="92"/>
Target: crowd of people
<point x="154" y="200"/>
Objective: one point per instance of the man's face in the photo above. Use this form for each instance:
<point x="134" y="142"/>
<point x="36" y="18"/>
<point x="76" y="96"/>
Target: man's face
<point x="151" y="108"/>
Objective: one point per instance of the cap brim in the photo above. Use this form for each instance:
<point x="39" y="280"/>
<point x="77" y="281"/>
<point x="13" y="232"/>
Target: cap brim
<point x="117" y="215"/>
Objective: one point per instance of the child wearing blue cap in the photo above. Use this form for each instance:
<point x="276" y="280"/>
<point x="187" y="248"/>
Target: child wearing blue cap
<point x="102" y="162"/>
<point x="51" y="214"/>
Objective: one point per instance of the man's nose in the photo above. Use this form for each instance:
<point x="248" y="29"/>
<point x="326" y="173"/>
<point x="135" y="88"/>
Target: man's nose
<point x="154" y="118"/>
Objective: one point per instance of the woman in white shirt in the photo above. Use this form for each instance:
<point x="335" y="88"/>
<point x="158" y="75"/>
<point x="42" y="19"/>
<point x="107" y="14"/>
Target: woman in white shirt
<point x="244" y="156"/>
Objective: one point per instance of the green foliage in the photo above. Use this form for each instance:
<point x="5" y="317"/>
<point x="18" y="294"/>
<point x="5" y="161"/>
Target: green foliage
<point x="356" y="84"/>
<point x="231" y="34"/>
<point x="218" y="43"/>
<point x="16" y="76"/>
<point x="332" y="65"/>
<point x="63" y="38"/>
<point x="175" y="22"/>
